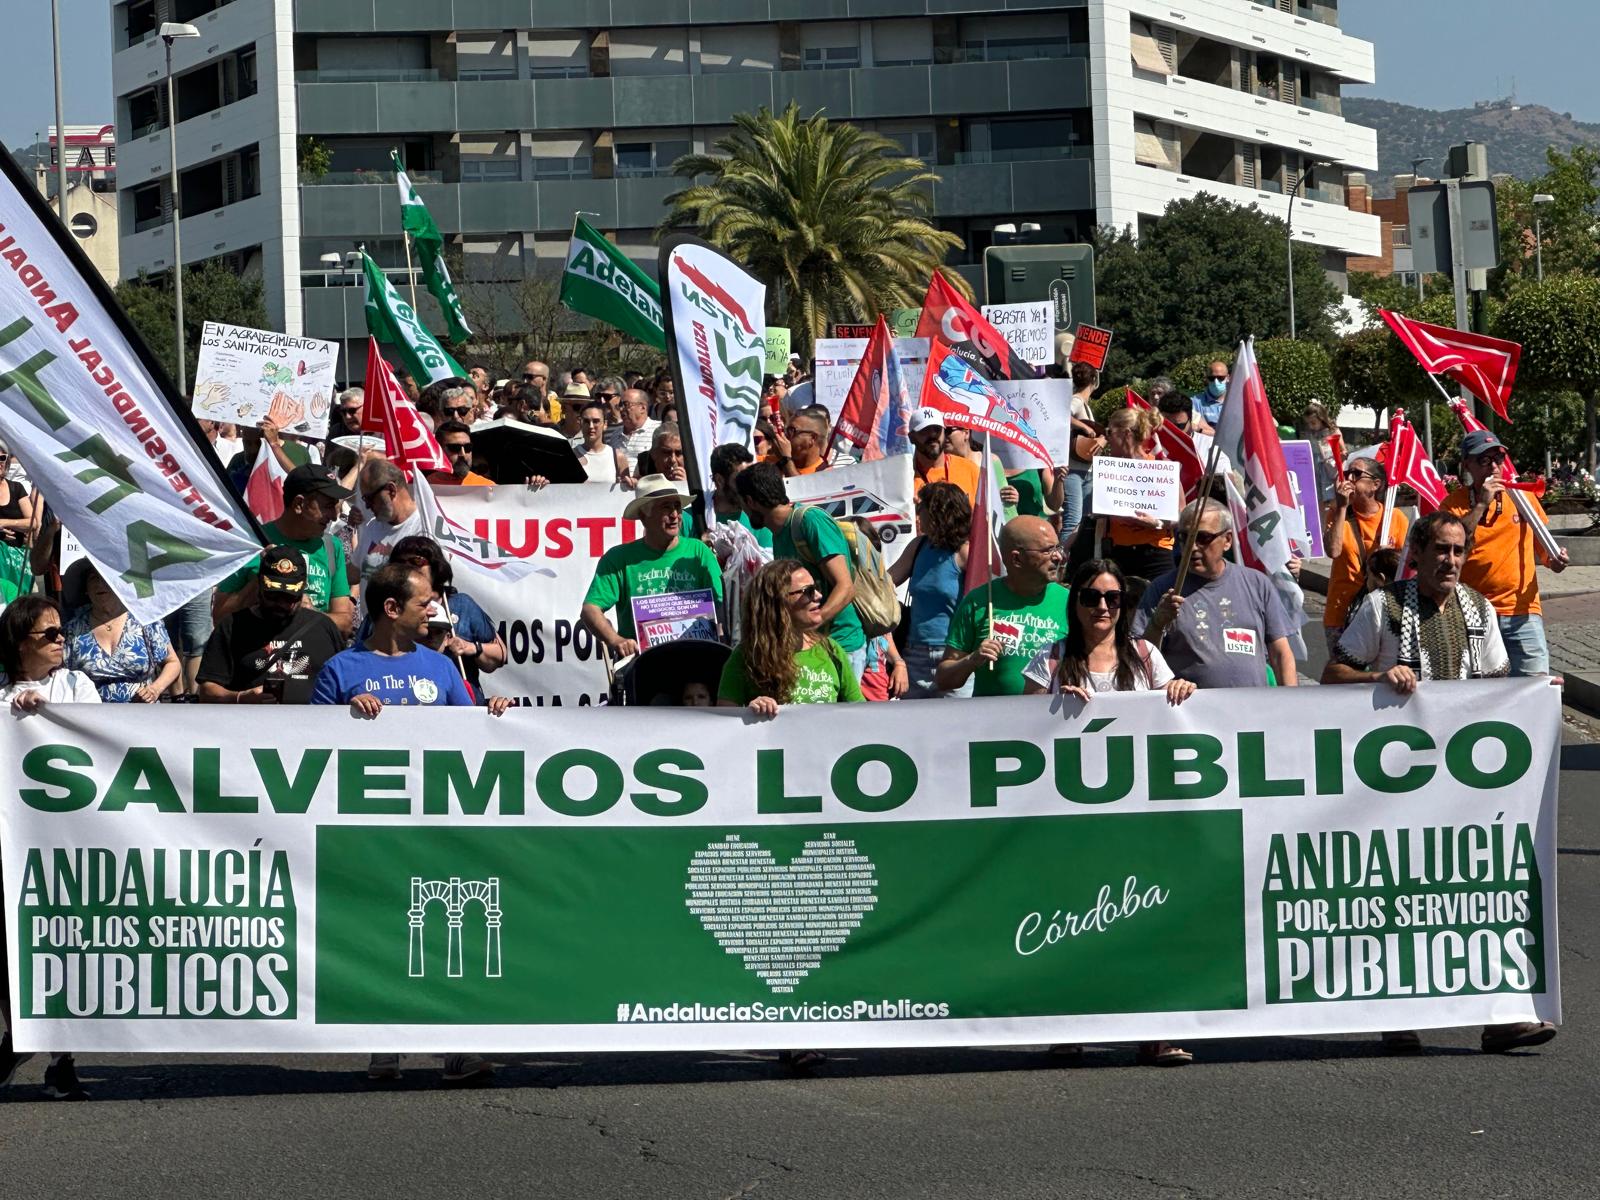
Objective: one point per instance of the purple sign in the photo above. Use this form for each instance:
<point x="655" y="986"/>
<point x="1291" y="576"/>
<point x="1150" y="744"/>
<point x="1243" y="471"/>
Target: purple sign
<point x="1299" y="458"/>
<point x="673" y="615"/>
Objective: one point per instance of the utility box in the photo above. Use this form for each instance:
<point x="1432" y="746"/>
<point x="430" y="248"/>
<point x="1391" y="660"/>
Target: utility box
<point x="1063" y="275"/>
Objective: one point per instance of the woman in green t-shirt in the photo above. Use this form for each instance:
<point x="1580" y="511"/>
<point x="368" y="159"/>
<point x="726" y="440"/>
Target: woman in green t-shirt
<point x="784" y="657"/>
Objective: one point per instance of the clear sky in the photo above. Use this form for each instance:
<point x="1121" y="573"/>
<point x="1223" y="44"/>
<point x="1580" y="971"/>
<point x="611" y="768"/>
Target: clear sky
<point x="1434" y="53"/>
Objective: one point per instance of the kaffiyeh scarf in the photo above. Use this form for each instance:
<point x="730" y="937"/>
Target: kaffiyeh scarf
<point x="1438" y="641"/>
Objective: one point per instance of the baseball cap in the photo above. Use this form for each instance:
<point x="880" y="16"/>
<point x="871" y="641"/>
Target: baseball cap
<point x="926" y="417"/>
<point x="1479" y="441"/>
<point x="309" y="479"/>
<point x="283" y="569"/>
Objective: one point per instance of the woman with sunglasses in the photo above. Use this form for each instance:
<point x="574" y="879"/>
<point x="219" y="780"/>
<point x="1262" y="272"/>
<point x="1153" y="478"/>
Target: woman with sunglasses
<point x="785" y="658"/>
<point x="1353" y="520"/>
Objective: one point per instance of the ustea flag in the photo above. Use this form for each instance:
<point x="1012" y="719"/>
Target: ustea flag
<point x="1174" y="444"/>
<point x="428" y="244"/>
<point x="391" y="319"/>
<point x="602" y="282"/>
<point x="876" y="409"/>
<point x="1485" y="366"/>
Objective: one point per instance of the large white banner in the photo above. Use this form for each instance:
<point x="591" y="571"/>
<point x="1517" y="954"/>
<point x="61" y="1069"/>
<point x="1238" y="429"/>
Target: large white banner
<point x="247" y="376"/>
<point x="1046" y="405"/>
<point x="717" y="326"/>
<point x="838" y="360"/>
<point x="116" y="455"/>
<point x="881" y="492"/>
<point x="1018" y="870"/>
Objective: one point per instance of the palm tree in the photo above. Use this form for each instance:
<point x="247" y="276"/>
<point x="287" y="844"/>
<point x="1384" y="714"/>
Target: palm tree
<point x="831" y="217"/>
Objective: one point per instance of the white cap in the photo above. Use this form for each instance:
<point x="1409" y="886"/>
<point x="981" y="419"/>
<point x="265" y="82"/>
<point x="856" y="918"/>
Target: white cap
<point x="926" y="417"/>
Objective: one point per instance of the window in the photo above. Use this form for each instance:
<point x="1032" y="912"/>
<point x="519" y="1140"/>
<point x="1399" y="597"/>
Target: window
<point x="486" y="56"/>
<point x="831" y="58"/>
<point x="558" y="54"/>
<point x="488" y="157"/>
<point x="1402" y="235"/>
<point x="148" y="207"/>
<point x="902" y="43"/>
<point x="1147" y="54"/>
<point x="642" y="159"/>
<point x="1015" y="49"/>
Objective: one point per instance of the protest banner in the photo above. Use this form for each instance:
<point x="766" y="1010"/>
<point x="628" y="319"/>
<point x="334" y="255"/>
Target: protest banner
<point x="1090" y="345"/>
<point x="246" y="376"/>
<point x="602" y="282"/>
<point x="1298" y="457"/>
<point x="563" y="531"/>
<point x="716" y="330"/>
<point x="882" y="491"/>
<point x="101" y="429"/>
<point x="395" y="322"/>
<point x="968" y="400"/>
<point x="948" y="316"/>
<point x="1257" y="862"/>
<point x="903" y="322"/>
<point x="875" y="417"/>
<point x="776" y="361"/>
<point x="853" y="331"/>
<point x="1137" y="487"/>
<point x="673" y="615"/>
<point x="838" y="360"/>
<point x="1046" y="405"/>
<point x="1029" y="328"/>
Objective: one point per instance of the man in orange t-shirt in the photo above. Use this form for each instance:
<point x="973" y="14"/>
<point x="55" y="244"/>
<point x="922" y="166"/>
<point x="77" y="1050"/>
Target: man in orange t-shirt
<point x="929" y="461"/>
<point x="1500" y="565"/>
<point x="1353" y="528"/>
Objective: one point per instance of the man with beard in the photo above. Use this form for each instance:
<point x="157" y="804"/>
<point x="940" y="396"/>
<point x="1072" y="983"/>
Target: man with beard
<point x="455" y="439"/>
<point x="270" y="652"/>
<point x="311" y="496"/>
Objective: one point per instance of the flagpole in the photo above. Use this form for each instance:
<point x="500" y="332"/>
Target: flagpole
<point x="1194" y="525"/>
<point x="1388" y="512"/>
<point x="411" y="276"/>
<point x="444" y="601"/>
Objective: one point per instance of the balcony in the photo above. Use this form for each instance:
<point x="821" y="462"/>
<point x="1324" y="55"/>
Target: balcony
<point x="1302" y="39"/>
<point x="384" y="176"/>
<point x="1023" y="154"/>
<point x="370" y="75"/>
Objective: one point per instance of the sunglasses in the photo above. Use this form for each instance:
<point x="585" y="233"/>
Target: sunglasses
<point x="531" y="378"/>
<point x="1358" y="473"/>
<point x="350" y="411"/>
<point x="1092" y="598"/>
<point x="1206" y="536"/>
<point x="1219" y="379"/>
<point x="367" y="498"/>
<point x="458" y="449"/>
<point x="50" y="633"/>
<point x="458" y="412"/>
<point x="811" y="592"/>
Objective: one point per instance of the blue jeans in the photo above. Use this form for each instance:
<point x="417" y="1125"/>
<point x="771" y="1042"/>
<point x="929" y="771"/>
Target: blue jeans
<point x="1072" y="494"/>
<point x="1525" y="644"/>
<point x="189" y="627"/>
<point x="858" y="661"/>
<point x="921" y="662"/>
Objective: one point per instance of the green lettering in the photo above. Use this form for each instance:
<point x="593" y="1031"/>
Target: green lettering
<point x="1253" y="779"/>
<point x="846" y="778"/>
<point x="653" y="770"/>
<point x="142" y="779"/>
<point x="1280" y="876"/>
<point x="445" y="773"/>
<point x="551" y="783"/>
<point x="290" y="795"/>
<point x="1070" y="783"/>
<point x="359" y="787"/>
<point x="108" y="464"/>
<point x="26" y="377"/>
<point x="770" y="797"/>
<point x="1369" y="759"/>
<point x="583" y="260"/>
<point x="41" y="765"/>
<point x="1201" y="756"/>
<point x="1328" y="750"/>
<point x="1458" y="754"/>
<point x="985" y="777"/>
<point x="171" y="551"/>
<point x="208" y="797"/>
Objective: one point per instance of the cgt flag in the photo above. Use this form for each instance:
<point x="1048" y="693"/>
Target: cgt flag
<point x="1408" y="463"/>
<point x="1485" y="366"/>
<point x="428" y="244"/>
<point x="717" y="331"/>
<point x="875" y="413"/>
<point x="390" y="319"/>
<point x="602" y="282"/>
<point x="411" y="445"/>
<point x="968" y="400"/>
<point x="946" y="315"/>
<point x="1174" y="444"/>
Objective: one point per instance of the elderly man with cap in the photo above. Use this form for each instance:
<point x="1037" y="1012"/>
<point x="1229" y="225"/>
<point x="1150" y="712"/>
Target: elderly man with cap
<point x="660" y="562"/>
<point x="311" y="496"/>
<point x="929" y="461"/>
<point x="270" y="652"/>
<point x="1501" y="566"/>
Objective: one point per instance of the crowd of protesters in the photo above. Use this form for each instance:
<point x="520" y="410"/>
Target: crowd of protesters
<point x="351" y="589"/>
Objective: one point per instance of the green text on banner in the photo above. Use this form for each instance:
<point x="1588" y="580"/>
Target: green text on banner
<point x="602" y="282"/>
<point x="391" y="319"/>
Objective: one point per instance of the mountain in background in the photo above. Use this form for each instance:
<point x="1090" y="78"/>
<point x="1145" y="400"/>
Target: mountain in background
<point x="1516" y="136"/>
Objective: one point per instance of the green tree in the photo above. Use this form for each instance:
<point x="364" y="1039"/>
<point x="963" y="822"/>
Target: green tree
<point x="1566" y="227"/>
<point x="832" y="218"/>
<point x="1557" y="323"/>
<point x="1207" y="273"/>
<point x="212" y="291"/>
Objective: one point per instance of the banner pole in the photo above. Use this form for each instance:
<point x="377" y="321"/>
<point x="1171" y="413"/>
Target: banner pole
<point x="1194" y="525"/>
<point x="411" y="276"/>
<point x="444" y="600"/>
<point x="1388" y="514"/>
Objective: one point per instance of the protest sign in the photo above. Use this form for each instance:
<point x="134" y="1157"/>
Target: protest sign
<point x="246" y="376"/>
<point x="102" y="430"/>
<point x="673" y="615"/>
<point x="852" y="331"/>
<point x="1090" y="345"/>
<point x="1030" y="329"/>
<point x="1046" y="405"/>
<point x="903" y="322"/>
<point x="563" y="530"/>
<point x="1298" y="457"/>
<point x="1258" y="862"/>
<point x="839" y="358"/>
<point x="1136" y="487"/>
<point x="882" y="491"/>
<point x="777" y="357"/>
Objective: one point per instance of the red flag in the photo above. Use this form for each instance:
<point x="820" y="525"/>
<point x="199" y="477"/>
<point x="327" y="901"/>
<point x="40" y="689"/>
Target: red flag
<point x="875" y="414"/>
<point x="1485" y="366"/>
<point x="968" y="400"/>
<point x="946" y="315"/>
<point x="1336" y="446"/>
<point x="983" y="544"/>
<point x="389" y="411"/>
<point x="1408" y="463"/>
<point x="1172" y="443"/>
<point x="263" y="490"/>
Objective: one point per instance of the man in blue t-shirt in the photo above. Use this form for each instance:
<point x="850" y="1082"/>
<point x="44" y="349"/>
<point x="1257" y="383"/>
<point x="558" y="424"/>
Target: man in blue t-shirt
<point x="389" y="667"/>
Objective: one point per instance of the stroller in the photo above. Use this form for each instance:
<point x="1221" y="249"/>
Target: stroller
<point x="657" y="676"/>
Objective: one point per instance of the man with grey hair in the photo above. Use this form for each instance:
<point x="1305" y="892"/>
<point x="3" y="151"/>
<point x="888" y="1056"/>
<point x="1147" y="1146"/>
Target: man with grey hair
<point x="634" y="434"/>
<point x="1226" y="625"/>
<point x="393" y="513"/>
<point x="666" y="453"/>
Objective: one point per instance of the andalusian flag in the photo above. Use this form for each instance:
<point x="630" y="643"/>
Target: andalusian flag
<point x="428" y="246"/>
<point x="391" y="319"/>
<point x="604" y="283"/>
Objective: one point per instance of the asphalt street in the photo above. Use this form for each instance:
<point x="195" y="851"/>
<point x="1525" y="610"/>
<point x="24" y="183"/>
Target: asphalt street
<point x="1276" y="1117"/>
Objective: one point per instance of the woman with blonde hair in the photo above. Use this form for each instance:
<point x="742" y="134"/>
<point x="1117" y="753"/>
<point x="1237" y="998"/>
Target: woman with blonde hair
<point x="784" y="657"/>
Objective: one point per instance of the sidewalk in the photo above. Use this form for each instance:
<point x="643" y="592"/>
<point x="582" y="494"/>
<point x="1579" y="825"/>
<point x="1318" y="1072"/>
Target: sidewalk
<point x="1571" y="602"/>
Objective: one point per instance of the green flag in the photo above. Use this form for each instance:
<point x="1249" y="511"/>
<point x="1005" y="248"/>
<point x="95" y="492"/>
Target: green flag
<point x="604" y="283"/>
<point x="428" y="246"/>
<point x="391" y="319"/>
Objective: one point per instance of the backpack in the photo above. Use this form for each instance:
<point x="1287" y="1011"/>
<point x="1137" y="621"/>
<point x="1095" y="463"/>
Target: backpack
<point x="875" y="600"/>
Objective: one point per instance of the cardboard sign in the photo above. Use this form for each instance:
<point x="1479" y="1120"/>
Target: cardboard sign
<point x="245" y="376"/>
<point x="1090" y="345"/>
<point x="1030" y="329"/>
<point x="903" y="322"/>
<point x="673" y="615"/>
<point x="852" y="331"/>
<point x="838" y="359"/>
<point x="1136" y="487"/>
<point x="1046" y="405"/>
<point x="777" y="356"/>
<point x="1300" y="458"/>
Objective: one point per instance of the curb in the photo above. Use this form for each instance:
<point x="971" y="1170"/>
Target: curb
<point x="1581" y="690"/>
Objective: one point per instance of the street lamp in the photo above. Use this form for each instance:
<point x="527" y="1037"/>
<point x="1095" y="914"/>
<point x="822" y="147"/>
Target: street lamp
<point x="170" y="32"/>
<point x="1538" y="233"/>
<point x="1306" y="167"/>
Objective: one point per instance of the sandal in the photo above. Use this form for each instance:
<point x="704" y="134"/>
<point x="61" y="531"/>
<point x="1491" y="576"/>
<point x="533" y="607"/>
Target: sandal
<point x="1402" y="1041"/>
<point x="1163" y="1054"/>
<point x="801" y="1060"/>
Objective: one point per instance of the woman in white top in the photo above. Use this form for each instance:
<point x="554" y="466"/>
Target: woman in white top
<point x="32" y="646"/>
<point x="604" y="464"/>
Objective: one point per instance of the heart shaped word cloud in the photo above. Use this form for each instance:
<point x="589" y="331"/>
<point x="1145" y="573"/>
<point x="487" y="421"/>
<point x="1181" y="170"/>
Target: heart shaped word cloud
<point x="781" y="920"/>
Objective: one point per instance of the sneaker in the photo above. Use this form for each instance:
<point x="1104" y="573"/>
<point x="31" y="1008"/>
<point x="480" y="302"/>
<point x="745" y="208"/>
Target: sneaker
<point x="466" y="1069"/>
<point x="61" y="1080"/>
<point x="1519" y="1035"/>
<point x="383" y="1068"/>
<point x="10" y="1060"/>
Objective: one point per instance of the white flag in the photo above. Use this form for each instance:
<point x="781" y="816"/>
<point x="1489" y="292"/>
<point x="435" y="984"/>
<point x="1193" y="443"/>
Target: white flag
<point x="470" y="553"/>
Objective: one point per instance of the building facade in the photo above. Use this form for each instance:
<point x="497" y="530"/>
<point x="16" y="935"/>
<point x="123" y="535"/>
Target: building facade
<point x="515" y="115"/>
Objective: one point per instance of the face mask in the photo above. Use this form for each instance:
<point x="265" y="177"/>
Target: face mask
<point x="1217" y="387"/>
